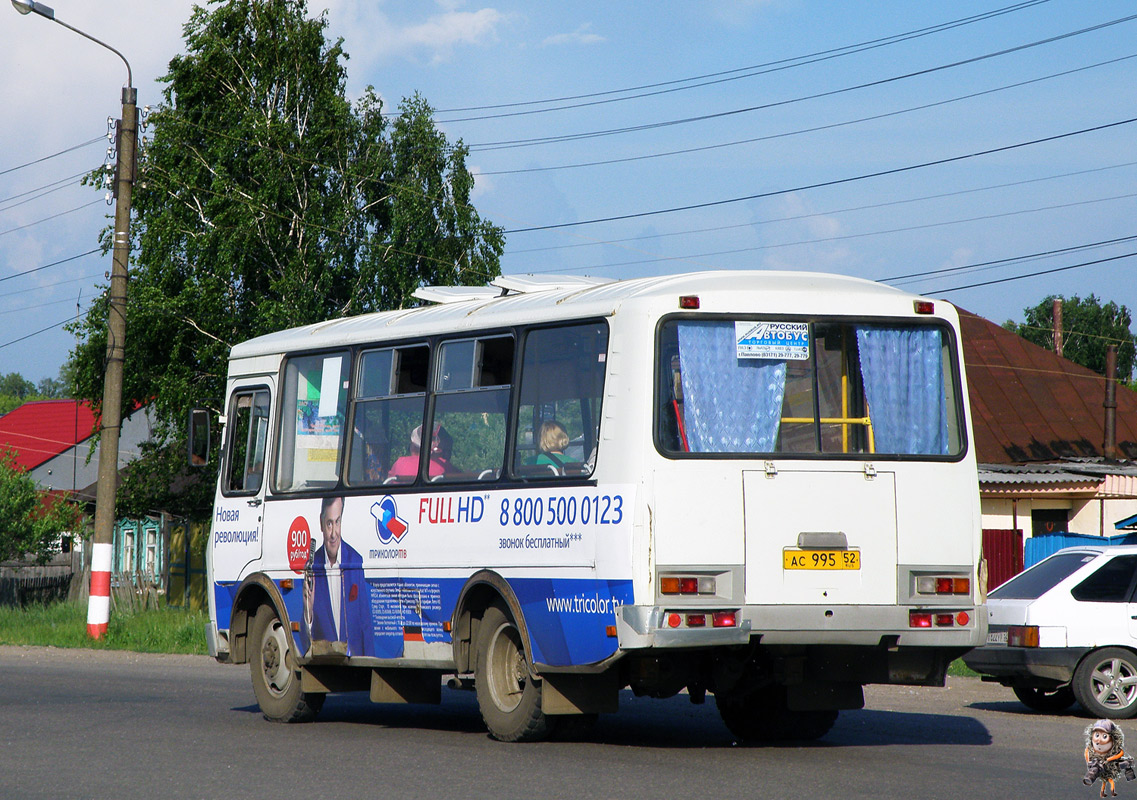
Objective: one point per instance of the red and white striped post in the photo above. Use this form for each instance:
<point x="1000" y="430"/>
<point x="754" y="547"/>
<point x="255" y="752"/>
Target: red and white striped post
<point x="99" y="603"/>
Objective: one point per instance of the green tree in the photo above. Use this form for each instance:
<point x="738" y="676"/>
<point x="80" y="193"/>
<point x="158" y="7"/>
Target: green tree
<point x="30" y="523"/>
<point x="16" y="385"/>
<point x="268" y="200"/>
<point x="52" y="388"/>
<point x="15" y="390"/>
<point x="1088" y="328"/>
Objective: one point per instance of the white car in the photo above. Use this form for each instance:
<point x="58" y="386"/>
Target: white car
<point x="1066" y="630"/>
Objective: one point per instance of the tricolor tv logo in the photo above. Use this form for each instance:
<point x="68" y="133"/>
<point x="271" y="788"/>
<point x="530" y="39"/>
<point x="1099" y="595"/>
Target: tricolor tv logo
<point x="388" y="524"/>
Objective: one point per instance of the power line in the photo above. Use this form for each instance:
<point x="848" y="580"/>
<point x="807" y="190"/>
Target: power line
<point x="43" y="191"/>
<point x="46" y="219"/>
<point x="823" y="184"/>
<point x="914" y="276"/>
<point x="828" y="213"/>
<point x="1070" y="333"/>
<point x="800" y="131"/>
<point x="43" y="286"/>
<point x="45" y="330"/>
<point x="849" y="236"/>
<point x="32" y="308"/>
<point x="1036" y="274"/>
<point x="53" y="155"/>
<point x="572" y="137"/>
<point x="52" y="264"/>
<point x="726" y="75"/>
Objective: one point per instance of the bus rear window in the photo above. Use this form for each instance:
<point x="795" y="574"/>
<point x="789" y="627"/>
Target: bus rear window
<point x="806" y="387"/>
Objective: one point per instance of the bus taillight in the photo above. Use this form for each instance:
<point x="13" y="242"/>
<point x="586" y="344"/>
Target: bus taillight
<point x="724" y="619"/>
<point x="943" y="584"/>
<point x="687" y="584"/>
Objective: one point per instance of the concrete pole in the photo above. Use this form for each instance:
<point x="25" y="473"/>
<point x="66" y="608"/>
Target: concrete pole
<point x="98" y="604"/>
<point x="1057" y="316"/>
<point x="1109" y="445"/>
<point x="98" y="608"/>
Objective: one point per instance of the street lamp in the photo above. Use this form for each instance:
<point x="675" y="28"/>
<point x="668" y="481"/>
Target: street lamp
<point x="98" y="608"/>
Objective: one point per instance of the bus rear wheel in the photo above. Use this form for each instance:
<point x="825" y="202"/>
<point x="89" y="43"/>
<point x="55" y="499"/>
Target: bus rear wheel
<point x="508" y="695"/>
<point x="764" y="716"/>
<point x="276" y="678"/>
<point x="1049" y="700"/>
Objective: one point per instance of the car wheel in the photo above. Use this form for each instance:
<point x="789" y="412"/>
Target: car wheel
<point x="1105" y="683"/>
<point x="1045" y="699"/>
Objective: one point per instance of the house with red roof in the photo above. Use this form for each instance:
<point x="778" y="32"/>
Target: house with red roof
<point x="1046" y="462"/>
<point x="51" y="440"/>
<point x="54" y="442"/>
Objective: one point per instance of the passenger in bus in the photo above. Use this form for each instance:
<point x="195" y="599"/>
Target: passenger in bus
<point x="441" y="446"/>
<point x="337" y="598"/>
<point x="552" y="439"/>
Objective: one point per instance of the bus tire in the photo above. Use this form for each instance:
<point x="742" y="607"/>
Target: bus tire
<point x="764" y="716"/>
<point x="1048" y="700"/>
<point x="508" y="696"/>
<point x="276" y="678"/>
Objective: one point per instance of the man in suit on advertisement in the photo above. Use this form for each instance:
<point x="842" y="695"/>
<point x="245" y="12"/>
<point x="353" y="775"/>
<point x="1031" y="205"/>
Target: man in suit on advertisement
<point x="337" y="600"/>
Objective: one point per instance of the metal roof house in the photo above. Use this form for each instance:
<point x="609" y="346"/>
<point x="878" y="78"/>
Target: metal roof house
<point x="51" y="441"/>
<point x="1040" y="437"/>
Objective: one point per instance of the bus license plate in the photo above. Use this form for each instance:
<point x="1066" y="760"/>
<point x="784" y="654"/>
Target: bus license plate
<point x="996" y="637"/>
<point x="821" y="559"/>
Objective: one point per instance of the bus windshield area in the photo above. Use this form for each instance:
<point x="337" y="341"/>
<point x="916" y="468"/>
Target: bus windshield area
<point x="747" y="386"/>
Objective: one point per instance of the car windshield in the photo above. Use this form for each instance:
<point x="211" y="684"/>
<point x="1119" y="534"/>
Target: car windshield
<point x="1042" y="577"/>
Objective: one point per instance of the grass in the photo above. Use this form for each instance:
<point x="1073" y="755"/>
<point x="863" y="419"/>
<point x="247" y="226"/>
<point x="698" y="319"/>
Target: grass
<point x="166" y="630"/>
<point x="957" y="667"/>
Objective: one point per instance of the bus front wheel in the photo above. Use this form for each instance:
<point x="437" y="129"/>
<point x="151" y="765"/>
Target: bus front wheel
<point x="276" y="678"/>
<point x="508" y="695"/>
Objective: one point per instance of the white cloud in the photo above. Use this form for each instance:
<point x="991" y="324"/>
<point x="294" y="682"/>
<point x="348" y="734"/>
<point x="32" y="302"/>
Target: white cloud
<point x="483" y="184"/>
<point x="581" y="36"/>
<point x="371" y="35"/>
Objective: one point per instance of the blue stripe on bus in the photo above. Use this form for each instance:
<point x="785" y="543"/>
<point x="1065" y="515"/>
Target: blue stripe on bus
<point x="567" y="618"/>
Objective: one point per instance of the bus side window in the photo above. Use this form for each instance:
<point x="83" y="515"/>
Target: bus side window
<point x="313" y="410"/>
<point x="562" y="383"/>
<point x="390" y="400"/>
<point x="467" y="435"/>
<point x="248" y="438"/>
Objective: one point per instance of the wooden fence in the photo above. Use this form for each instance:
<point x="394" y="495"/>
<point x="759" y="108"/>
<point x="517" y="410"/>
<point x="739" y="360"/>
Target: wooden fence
<point x="181" y="576"/>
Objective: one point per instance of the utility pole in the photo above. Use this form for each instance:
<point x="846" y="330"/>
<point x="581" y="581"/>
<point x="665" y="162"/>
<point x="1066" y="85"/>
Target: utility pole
<point x="98" y="607"/>
<point x="1056" y="314"/>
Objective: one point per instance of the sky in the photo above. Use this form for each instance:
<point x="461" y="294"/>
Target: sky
<point x="980" y="152"/>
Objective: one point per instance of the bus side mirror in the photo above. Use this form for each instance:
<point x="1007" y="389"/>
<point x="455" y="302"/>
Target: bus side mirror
<point x="198" y="447"/>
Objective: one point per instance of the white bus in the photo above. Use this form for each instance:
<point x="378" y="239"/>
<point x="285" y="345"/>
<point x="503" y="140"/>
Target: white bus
<point x="755" y="484"/>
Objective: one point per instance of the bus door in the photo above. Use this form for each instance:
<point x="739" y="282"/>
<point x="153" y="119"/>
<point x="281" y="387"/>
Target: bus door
<point x="238" y="513"/>
<point x="820" y="536"/>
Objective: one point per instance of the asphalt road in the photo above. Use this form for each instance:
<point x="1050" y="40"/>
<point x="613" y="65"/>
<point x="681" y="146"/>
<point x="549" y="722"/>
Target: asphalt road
<point x="91" y="724"/>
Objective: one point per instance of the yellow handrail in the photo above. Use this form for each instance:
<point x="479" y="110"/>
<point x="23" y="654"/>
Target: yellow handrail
<point x="838" y="421"/>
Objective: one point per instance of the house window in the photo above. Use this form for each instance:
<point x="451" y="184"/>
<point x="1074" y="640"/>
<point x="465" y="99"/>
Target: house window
<point x="1049" y="520"/>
